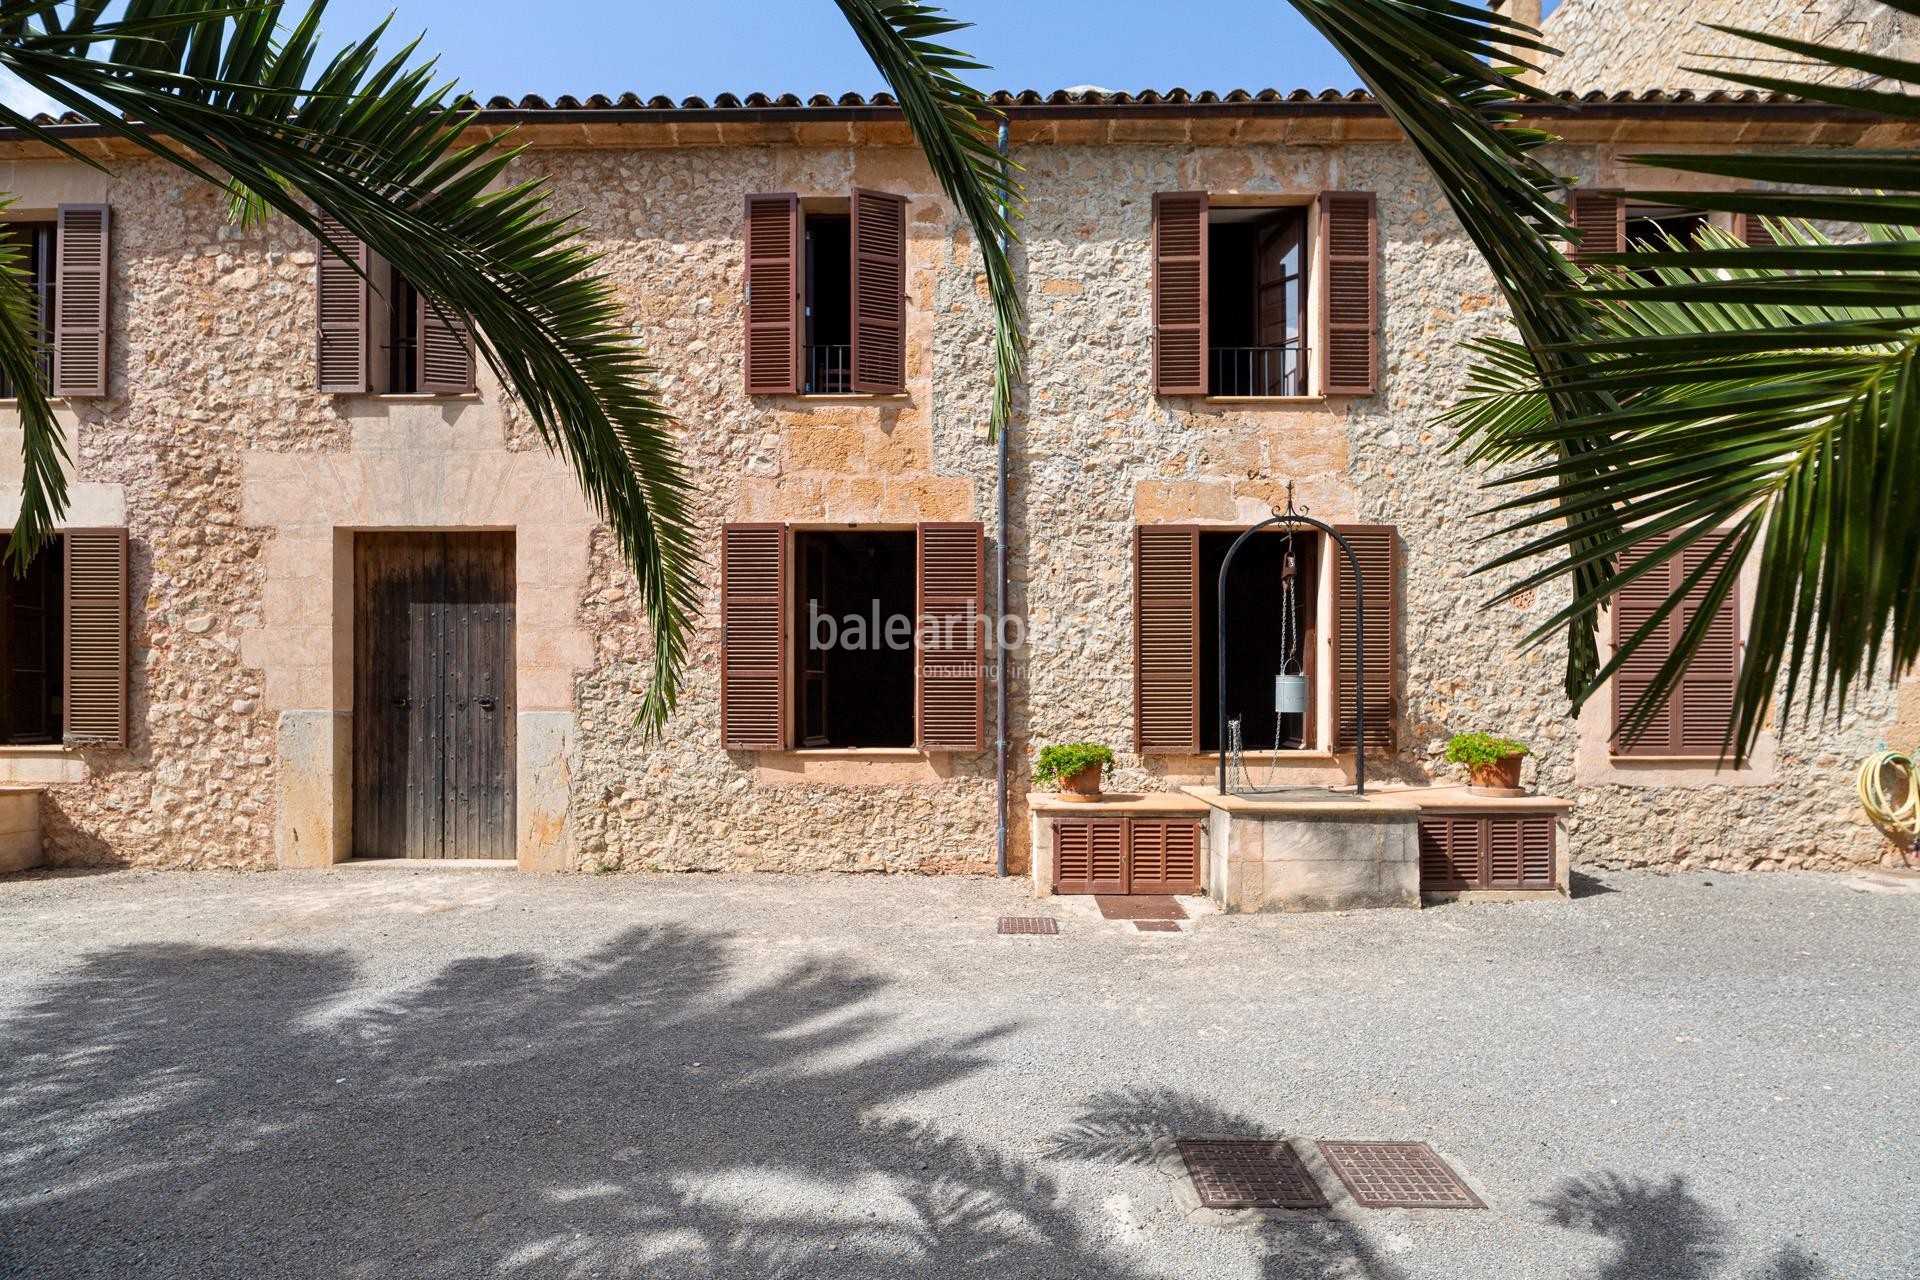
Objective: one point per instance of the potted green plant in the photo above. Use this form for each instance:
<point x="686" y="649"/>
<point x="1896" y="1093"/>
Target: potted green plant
<point x="1074" y="768"/>
<point x="1493" y="764"/>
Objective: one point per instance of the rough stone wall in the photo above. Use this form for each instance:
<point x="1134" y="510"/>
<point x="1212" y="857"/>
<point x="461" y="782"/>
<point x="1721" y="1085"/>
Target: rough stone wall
<point x="1636" y="45"/>
<point x="214" y="342"/>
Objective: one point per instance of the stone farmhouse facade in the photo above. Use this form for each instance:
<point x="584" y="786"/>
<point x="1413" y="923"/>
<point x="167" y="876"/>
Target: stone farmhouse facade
<point x="1228" y="295"/>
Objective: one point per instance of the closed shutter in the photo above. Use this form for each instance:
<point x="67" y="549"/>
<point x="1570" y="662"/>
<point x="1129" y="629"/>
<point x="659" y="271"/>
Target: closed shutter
<point x="952" y="648"/>
<point x="1089" y="856"/>
<point x="1695" y="718"/>
<point x="1180" y="293"/>
<point x="1497" y="851"/>
<point x="773" y="294"/>
<point x="1163" y="855"/>
<point x="753" y="634"/>
<point x="344" y="306"/>
<point x="1752" y="232"/>
<point x="879" y="293"/>
<point x="96" y="656"/>
<point x="1166" y="639"/>
<point x="1602" y="218"/>
<point x="1376" y="547"/>
<point x="444" y="353"/>
<point x="1350" y="290"/>
<point x="1537" y="840"/>
<point x="81" y="255"/>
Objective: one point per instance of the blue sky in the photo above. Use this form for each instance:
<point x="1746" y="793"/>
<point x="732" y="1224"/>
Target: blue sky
<point x="802" y="46"/>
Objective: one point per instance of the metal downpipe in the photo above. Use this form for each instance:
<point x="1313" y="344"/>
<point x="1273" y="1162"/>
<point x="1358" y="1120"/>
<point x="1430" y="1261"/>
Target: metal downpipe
<point x="1001" y="797"/>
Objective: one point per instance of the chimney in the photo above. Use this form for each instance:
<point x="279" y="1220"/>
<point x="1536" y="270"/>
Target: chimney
<point x="1528" y="12"/>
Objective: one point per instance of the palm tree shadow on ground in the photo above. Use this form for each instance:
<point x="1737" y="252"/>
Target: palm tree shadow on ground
<point x="253" y="1112"/>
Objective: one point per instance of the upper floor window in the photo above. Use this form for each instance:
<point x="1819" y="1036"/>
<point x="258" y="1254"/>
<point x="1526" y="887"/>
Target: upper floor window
<point x="66" y="263"/>
<point x="826" y="294"/>
<point x="1272" y="300"/>
<point x="379" y="334"/>
<point x="35" y="241"/>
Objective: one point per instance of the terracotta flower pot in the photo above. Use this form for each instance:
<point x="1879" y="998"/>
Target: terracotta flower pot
<point x="1503" y="775"/>
<point x="1084" y="785"/>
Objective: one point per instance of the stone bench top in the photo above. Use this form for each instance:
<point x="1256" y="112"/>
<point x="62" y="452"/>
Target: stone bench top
<point x="1377" y="800"/>
<point x="1118" y="803"/>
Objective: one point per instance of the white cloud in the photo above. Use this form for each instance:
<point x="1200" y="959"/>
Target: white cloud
<point x="24" y="98"/>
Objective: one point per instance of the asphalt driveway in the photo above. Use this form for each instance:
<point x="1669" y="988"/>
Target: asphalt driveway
<point x="378" y="1073"/>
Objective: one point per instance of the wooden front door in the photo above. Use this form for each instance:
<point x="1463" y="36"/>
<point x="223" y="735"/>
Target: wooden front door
<point x="433" y="705"/>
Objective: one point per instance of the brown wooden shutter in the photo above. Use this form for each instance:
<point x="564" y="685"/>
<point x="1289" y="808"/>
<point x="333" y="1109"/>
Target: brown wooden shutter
<point x="1180" y="293"/>
<point x="1751" y="231"/>
<point x="1376" y="546"/>
<point x="1089" y="856"/>
<point x="1695" y="718"/>
<point x="773" y="294"/>
<point x="444" y="354"/>
<point x="879" y="354"/>
<point x="96" y="647"/>
<point x="753" y="637"/>
<point x="1166" y="639"/>
<point x="1602" y="217"/>
<point x="1350" y="350"/>
<point x="1508" y="851"/>
<point x="345" y="309"/>
<point x="1163" y="855"/>
<point x="81" y="255"/>
<point x="952" y="640"/>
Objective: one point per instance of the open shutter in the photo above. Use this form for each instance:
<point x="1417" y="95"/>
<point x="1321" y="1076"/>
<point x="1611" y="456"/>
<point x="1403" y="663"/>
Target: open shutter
<point x="444" y="353"/>
<point x="1601" y="217"/>
<point x="952" y="643"/>
<point x="1166" y="639"/>
<point x="1180" y="293"/>
<point x="1350" y="290"/>
<point x="344" y="309"/>
<point x="1751" y="231"/>
<point x="96" y="649"/>
<point x="753" y="635"/>
<point x="1376" y="546"/>
<point x="773" y="295"/>
<point x="879" y="293"/>
<point x="81" y="250"/>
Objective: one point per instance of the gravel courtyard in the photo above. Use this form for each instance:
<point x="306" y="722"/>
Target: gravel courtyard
<point x="387" y="1073"/>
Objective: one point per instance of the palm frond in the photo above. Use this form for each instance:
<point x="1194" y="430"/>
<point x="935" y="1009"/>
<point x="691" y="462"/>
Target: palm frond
<point x="951" y="120"/>
<point x="381" y="144"/>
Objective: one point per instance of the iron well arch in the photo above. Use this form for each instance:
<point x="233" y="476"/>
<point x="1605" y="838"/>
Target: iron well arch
<point x="1293" y="518"/>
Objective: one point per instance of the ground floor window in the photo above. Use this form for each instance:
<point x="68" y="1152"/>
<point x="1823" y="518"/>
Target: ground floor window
<point x="1272" y="621"/>
<point x="32" y="625"/>
<point x="854" y="657"/>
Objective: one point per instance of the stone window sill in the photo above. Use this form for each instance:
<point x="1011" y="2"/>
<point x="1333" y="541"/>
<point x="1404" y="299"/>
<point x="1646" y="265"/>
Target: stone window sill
<point x="858" y="753"/>
<point x="464" y="397"/>
<point x="30" y="750"/>
<point x="1274" y="400"/>
<point x="856" y="397"/>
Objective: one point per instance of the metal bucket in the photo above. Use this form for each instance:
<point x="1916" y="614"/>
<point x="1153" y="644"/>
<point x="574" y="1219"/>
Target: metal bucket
<point x="1290" y="695"/>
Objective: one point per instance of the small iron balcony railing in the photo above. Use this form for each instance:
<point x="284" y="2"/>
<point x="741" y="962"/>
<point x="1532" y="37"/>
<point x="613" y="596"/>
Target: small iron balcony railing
<point x="1256" y="371"/>
<point x="830" y="369"/>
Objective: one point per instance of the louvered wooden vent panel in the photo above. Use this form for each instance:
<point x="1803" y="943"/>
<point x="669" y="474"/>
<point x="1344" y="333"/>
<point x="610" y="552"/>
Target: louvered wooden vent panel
<point x="1164" y="855"/>
<point x="342" y="299"/>
<point x="1089" y="855"/>
<point x="1503" y="851"/>
<point x="1749" y="228"/>
<point x="1376" y="547"/>
<point x="81" y="256"/>
<point x="96" y="642"/>
<point x="1601" y="217"/>
<point x="753" y="637"/>
<point x="879" y="293"/>
<point x="773" y="294"/>
<point x="1166" y="642"/>
<point x="953" y="637"/>
<point x="1351" y="347"/>
<point x="1180" y="293"/>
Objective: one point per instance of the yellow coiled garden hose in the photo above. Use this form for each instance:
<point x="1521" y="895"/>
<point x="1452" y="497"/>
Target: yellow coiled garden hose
<point x="1890" y="792"/>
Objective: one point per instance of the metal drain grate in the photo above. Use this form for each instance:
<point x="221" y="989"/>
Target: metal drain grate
<point x="1398" y="1175"/>
<point x="1157" y="926"/>
<point x="1029" y="924"/>
<point x="1232" y="1173"/>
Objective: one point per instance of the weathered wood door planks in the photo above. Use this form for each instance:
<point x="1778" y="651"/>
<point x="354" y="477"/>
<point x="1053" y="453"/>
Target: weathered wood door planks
<point x="434" y="709"/>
